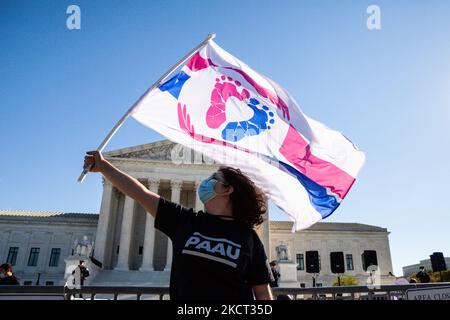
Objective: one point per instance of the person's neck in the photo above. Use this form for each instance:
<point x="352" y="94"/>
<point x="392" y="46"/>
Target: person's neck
<point x="219" y="208"/>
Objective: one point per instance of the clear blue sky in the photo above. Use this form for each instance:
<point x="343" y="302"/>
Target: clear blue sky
<point x="388" y="90"/>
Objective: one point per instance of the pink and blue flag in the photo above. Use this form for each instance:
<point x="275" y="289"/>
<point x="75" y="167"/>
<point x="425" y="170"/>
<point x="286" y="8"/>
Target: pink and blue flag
<point x="219" y="106"/>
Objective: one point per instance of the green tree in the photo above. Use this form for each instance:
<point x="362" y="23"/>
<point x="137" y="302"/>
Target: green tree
<point x="436" y="277"/>
<point x="346" y="280"/>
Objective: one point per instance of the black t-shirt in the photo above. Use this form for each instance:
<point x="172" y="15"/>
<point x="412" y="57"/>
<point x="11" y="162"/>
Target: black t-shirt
<point x="8" y="281"/>
<point x="213" y="258"/>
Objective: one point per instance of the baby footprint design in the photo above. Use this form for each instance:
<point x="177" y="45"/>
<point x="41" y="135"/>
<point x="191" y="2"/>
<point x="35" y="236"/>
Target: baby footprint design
<point x="261" y="120"/>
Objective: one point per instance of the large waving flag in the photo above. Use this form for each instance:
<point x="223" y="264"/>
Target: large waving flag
<point x="219" y="106"/>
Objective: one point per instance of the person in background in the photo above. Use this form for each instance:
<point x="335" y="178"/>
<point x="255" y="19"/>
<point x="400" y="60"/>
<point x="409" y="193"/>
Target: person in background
<point x="401" y="281"/>
<point x="275" y="273"/>
<point x="398" y="280"/>
<point x="82" y="271"/>
<point x="8" y="277"/>
<point x="422" y="275"/>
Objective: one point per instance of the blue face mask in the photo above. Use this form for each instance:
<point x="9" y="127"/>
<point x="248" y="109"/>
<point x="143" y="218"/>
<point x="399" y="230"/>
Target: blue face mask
<point x="206" y="190"/>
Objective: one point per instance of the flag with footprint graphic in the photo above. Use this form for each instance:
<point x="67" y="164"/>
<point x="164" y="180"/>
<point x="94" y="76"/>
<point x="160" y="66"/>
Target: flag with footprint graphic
<point x="219" y="106"/>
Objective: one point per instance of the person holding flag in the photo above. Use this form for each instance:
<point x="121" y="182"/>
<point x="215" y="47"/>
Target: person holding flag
<point x="217" y="254"/>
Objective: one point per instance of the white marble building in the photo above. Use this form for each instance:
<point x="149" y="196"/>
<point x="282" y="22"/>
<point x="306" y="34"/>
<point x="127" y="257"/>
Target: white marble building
<point x="350" y="238"/>
<point x="132" y="252"/>
<point x="36" y="243"/>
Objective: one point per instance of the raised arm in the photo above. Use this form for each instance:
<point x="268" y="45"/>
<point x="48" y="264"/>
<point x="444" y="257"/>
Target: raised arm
<point x="122" y="181"/>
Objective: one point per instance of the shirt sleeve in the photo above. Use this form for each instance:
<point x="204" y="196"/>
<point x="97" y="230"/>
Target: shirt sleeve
<point x="170" y="216"/>
<point x="259" y="271"/>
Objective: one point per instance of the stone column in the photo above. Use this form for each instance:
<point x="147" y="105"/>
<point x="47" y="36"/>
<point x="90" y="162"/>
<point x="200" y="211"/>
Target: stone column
<point x="103" y="229"/>
<point x="4" y="249"/>
<point x="125" y="235"/>
<point x="198" y="204"/>
<point x="149" y="237"/>
<point x="176" y="192"/>
<point x="387" y="251"/>
<point x="264" y="233"/>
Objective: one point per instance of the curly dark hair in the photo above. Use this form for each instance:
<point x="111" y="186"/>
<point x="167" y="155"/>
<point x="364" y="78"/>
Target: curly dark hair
<point x="248" y="201"/>
<point x="6" y="266"/>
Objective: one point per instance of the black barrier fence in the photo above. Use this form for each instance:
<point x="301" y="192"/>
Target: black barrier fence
<point x="382" y="292"/>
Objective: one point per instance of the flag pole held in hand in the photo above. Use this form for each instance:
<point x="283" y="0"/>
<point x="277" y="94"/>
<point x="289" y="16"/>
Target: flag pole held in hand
<point x="102" y="145"/>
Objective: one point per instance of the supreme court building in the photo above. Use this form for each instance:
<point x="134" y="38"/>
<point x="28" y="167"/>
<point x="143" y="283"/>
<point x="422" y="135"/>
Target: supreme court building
<point x="128" y="250"/>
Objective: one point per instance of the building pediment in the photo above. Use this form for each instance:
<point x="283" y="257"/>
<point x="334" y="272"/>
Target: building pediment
<point x="160" y="151"/>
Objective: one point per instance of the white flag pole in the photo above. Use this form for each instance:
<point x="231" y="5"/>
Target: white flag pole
<point x="155" y="85"/>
